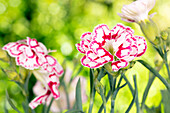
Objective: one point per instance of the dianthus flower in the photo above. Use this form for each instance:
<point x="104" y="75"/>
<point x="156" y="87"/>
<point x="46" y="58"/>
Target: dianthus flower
<point x="32" y="54"/>
<point x="51" y="84"/>
<point x="118" y="46"/>
<point x="62" y="103"/>
<point x="137" y="11"/>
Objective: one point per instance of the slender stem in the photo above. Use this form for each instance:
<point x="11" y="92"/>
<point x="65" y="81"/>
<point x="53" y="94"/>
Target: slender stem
<point x="67" y="97"/>
<point x="92" y="92"/>
<point x="155" y="73"/>
<point x="132" y="91"/>
<point x="107" y="98"/>
<point x="112" y="104"/>
<point x="167" y="67"/>
<point x="166" y="60"/>
<point x="49" y="106"/>
<point x="103" y="98"/>
<point x="145" y="94"/>
<point x="136" y="91"/>
<point x="127" y="81"/>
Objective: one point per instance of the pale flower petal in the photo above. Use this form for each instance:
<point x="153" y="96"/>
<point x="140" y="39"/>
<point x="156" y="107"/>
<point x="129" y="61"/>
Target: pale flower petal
<point x="137" y="11"/>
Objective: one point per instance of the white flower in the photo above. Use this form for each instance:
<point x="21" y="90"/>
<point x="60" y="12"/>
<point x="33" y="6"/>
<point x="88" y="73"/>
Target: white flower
<point x="137" y="11"/>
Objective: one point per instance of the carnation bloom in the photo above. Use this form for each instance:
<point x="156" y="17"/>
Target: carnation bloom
<point x="118" y="46"/>
<point x="32" y="54"/>
<point x="61" y="104"/>
<point x="137" y="11"/>
<point x="51" y="84"/>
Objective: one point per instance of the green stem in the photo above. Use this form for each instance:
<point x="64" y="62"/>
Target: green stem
<point x="134" y="95"/>
<point x="136" y="91"/>
<point x="145" y="94"/>
<point x="49" y="106"/>
<point x="107" y="98"/>
<point x="155" y="73"/>
<point x="167" y="67"/>
<point x="129" y="84"/>
<point x="67" y="97"/>
<point x="92" y="92"/>
<point x="166" y="60"/>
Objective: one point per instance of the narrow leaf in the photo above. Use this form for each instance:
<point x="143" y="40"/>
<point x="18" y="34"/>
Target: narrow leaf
<point x="136" y="91"/>
<point x="103" y="98"/>
<point x="26" y="83"/>
<point x="25" y="107"/>
<point x="91" y="91"/>
<point x="11" y="103"/>
<point x="101" y="74"/>
<point x="127" y="81"/>
<point x="67" y="95"/>
<point x="5" y="109"/>
<point x="132" y="102"/>
<point x="107" y="98"/>
<point x="78" y="96"/>
<point x="74" y="111"/>
<point x="49" y="106"/>
<point x="165" y="100"/>
<point x="145" y="94"/>
<point x="112" y="82"/>
<point x="155" y="73"/>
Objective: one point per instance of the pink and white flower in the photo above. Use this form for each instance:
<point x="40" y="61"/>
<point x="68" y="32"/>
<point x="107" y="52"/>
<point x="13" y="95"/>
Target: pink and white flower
<point x="118" y="46"/>
<point x="61" y="104"/>
<point x="137" y="11"/>
<point x="51" y="84"/>
<point x="32" y="54"/>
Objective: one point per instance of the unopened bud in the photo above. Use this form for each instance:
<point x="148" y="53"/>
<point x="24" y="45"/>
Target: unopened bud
<point x="131" y="64"/>
<point x="98" y="85"/>
<point x="164" y="35"/>
<point x="108" y="67"/>
<point x="150" y="30"/>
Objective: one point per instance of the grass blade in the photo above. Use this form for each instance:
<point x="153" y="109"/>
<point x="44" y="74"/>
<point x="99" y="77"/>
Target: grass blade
<point x="155" y="73"/>
<point x="134" y="97"/>
<point x="49" y="106"/>
<point x="91" y="91"/>
<point x="78" y="96"/>
<point x="11" y="103"/>
<point x="145" y="94"/>
<point x="103" y="98"/>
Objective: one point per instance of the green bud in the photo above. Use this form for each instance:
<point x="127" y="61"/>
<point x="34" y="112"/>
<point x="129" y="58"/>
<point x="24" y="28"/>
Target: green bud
<point x="150" y="30"/>
<point x="164" y="35"/>
<point x="131" y="64"/>
<point x="108" y="67"/>
<point x="97" y="85"/>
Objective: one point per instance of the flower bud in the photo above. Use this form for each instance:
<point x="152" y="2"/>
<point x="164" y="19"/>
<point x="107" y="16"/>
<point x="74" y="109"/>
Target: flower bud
<point x="98" y="85"/>
<point x="164" y="35"/>
<point x="150" y="30"/>
<point x="108" y="67"/>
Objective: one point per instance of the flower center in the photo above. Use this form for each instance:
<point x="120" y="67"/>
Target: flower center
<point x="109" y="46"/>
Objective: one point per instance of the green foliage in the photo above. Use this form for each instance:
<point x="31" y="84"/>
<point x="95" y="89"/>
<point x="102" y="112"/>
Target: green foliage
<point x="59" y="25"/>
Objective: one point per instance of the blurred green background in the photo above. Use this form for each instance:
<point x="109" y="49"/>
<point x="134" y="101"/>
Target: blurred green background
<point x="59" y="25"/>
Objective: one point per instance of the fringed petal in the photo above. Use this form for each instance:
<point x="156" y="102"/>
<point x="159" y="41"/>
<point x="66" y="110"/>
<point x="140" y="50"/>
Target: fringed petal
<point x="118" y="64"/>
<point x="40" y="99"/>
<point x="53" y="84"/>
